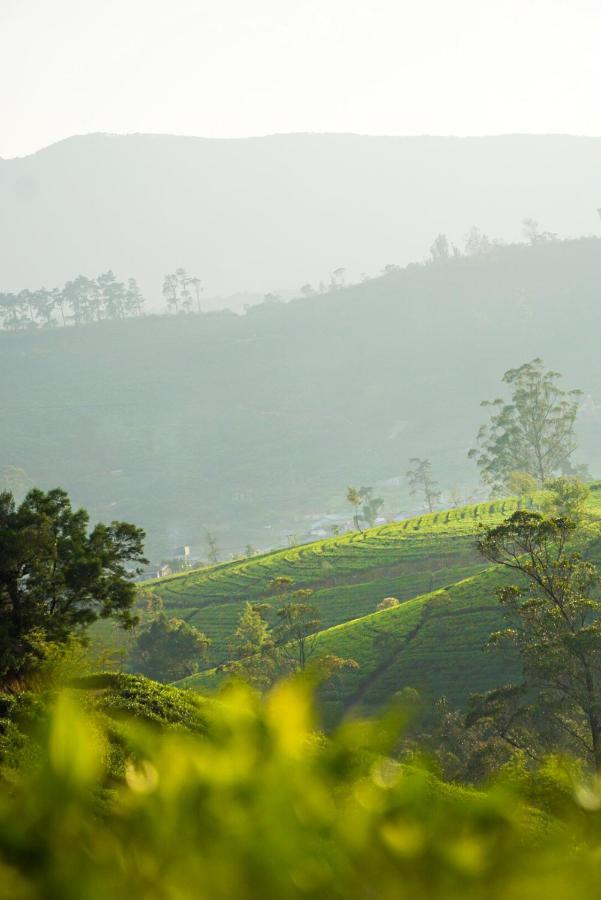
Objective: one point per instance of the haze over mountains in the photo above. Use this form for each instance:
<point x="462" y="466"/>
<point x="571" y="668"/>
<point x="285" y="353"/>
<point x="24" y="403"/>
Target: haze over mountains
<point x="273" y="213"/>
<point x="249" y="424"/>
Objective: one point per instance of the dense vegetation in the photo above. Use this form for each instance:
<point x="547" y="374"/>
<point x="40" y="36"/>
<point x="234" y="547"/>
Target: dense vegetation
<point x="260" y="805"/>
<point x="185" y="424"/>
<point x="114" y="784"/>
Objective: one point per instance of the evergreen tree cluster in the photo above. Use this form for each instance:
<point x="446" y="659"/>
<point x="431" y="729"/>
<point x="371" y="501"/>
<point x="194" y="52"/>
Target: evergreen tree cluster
<point x="78" y="302"/>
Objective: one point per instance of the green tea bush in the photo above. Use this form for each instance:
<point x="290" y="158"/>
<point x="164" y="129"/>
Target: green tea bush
<point x="262" y="806"/>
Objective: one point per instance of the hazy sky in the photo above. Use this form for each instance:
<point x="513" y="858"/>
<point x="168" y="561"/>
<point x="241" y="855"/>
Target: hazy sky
<point x="247" y="67"/>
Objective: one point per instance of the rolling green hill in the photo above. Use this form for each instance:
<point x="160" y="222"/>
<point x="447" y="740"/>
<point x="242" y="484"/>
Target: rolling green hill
<point x="432" y="641"/>
<point x="349" y="575"/>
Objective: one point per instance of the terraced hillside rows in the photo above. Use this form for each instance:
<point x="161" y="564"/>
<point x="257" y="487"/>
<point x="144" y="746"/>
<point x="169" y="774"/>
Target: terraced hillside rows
<point x="434" y="641"/>
<point x="349" y="575"/>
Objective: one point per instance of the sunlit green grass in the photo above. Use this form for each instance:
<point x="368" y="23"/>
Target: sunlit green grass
<point x="349" y="575"/>
<point x="433" y="641"/>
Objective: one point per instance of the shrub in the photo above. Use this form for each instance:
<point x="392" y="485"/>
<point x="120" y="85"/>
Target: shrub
<point x="387" y="603"/>
<point x="263" y="808"/>
<point x="169" y="649"/>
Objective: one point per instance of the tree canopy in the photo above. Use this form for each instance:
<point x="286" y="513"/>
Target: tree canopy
<point x="421" y="481"/>
<point x="80" y="301"/>
<point x="554" y="613"/>
<point x="169" y="649"/>
<point x="533" y="433"/>
<point x="57" y="576"/>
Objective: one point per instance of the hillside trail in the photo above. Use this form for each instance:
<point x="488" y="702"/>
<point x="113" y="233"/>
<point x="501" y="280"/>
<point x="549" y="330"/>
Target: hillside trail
<point x="428" y="611"/>
<point x="355" y="699"/>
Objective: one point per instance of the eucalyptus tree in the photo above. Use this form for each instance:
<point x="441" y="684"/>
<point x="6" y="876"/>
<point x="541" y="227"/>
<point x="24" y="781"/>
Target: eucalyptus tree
<point x="170" y="293"/>
<point x="6" y="302"/>
<point x="252" y="648"/>
<point x="45" y="304"/>
<point x="111" y="300"/>
<point x="296" y="633"/>
<point x="533" y="432"/>
<point x="477" y="243"/>
<point x="11" y="312"/>
<point x="371" y="505"/>
<point x="59" y="302"/>
<point x="355" y="499"/>
<point x="134" y="299"/>
<point x="81" y="296"/>
<point x="554" y="623"/>
<point x="213" y="547"/>
<point x="337" y="279"/>
<point x="80" y="301"/>
<point x="440" y="251"/>
<point x="197" y="285"/>
<point x="422" y="482"/>
<point x="183" y="289"/>
<point x="27" y="301"/>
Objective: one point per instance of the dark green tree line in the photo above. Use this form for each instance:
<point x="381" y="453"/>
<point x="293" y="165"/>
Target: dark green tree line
<point x="78" y="302"/>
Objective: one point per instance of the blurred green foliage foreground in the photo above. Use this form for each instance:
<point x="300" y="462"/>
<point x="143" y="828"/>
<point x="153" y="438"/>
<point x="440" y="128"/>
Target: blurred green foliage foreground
<point x="253" y="802"/>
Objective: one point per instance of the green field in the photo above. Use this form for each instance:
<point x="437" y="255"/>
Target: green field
<point x="349" y="575"/>
<point x="432" y="641"/>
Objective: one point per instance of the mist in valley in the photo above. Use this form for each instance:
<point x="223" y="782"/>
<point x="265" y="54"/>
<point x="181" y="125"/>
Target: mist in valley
<point x="300" y="467"/>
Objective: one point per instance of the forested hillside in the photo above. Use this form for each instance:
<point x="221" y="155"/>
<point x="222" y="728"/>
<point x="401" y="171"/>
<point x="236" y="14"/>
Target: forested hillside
<point x="248" y="424"/>
<point x="273" y="213"/>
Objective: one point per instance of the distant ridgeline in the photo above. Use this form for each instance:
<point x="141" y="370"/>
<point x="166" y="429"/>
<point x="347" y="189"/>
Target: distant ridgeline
<point x="253" y="426"/>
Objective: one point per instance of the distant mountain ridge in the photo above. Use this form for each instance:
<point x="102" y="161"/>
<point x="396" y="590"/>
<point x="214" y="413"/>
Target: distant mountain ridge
<point x="268" y="213"/>
<point x="253" y="425"/>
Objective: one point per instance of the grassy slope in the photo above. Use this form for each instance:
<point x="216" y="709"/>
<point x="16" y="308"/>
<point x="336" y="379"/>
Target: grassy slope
<point x="349" y="575"/>
<point x="433" y="642"/>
